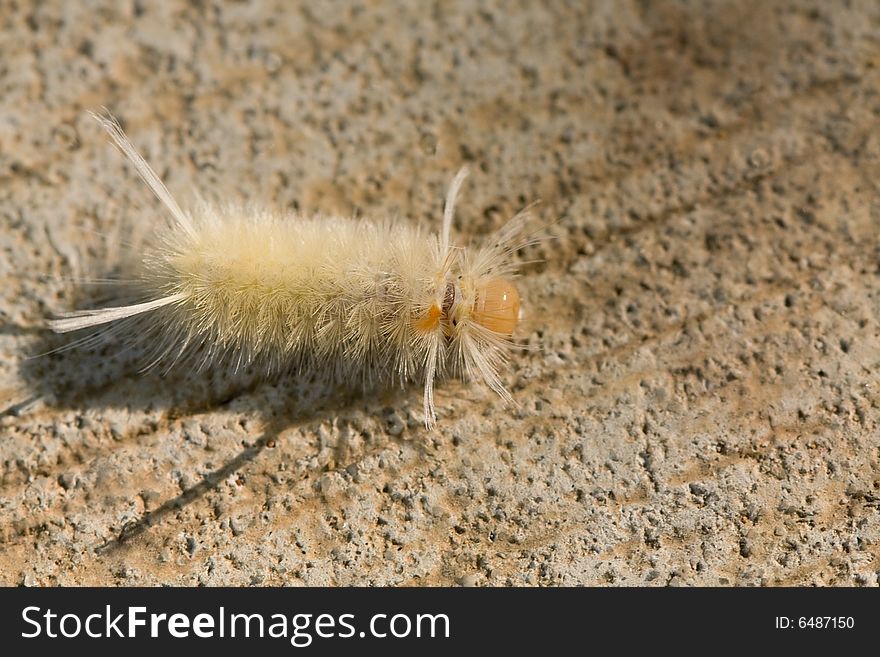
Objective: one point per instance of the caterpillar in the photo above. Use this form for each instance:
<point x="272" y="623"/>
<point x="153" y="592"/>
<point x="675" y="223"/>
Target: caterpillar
<point x="354" y="298"/>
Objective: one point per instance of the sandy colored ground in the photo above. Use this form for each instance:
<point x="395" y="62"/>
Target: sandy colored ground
<point x="705" y="406"/>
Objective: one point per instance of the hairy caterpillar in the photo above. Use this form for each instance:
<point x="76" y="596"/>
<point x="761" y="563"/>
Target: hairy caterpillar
<point x="354" y="298"/>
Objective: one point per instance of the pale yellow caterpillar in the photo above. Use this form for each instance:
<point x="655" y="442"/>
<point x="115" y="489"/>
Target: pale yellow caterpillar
<point x="357" y="299"/>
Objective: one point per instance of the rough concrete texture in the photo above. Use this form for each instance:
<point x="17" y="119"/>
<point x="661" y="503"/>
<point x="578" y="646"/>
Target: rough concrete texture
<point x="704" y="406"/>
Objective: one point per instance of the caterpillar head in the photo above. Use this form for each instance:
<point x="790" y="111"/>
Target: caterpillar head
<point x="474" y="307"/>
<point x="497" y="306"/>
<point x="493" y="303"/>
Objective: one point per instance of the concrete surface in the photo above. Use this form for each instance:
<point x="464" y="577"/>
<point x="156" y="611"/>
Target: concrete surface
<point x="704" y="408"/>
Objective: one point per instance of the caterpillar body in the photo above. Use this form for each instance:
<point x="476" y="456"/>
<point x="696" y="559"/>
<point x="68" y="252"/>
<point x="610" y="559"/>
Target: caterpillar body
<point x="354" y="298"/>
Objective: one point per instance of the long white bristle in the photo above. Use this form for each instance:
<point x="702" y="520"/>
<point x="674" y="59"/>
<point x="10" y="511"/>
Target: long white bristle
<point x="79" y="319"/>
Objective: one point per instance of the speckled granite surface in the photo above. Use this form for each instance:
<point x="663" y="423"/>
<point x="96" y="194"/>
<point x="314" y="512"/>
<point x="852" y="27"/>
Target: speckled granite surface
<point x="704" y="409"/>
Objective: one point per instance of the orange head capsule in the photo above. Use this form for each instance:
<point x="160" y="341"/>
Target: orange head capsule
<point x="497" y="306"/>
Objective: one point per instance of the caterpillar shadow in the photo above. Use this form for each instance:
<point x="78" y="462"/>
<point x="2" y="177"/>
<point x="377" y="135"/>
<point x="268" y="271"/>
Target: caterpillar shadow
<point x="106" y="376"/>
